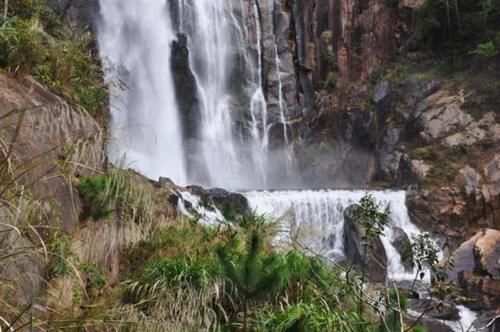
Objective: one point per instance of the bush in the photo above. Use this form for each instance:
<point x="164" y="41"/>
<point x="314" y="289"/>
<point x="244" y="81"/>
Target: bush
<point x="486" y="50"/>
<point x="94" y="194"/>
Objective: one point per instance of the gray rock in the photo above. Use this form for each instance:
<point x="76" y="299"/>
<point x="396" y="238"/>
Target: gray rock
<point x="487" y="322"/>
<point x="436" y="309"/>
<point x="463" y="259"/>
<point x="222" y="198"/>
<point x="402" y="243"/>
<point x="472" y="180"/>
<point x="485" y="129"/>
<point x="439" y="121"/>
<point x="381" y="91"/>
<point x="492" y="172"/>
<point x="487" y="252"/>
<point x="415" y="90"/>
<point x="374" y="260"/>
<point x="420" y="168"/>
<point x="77" y="14"/>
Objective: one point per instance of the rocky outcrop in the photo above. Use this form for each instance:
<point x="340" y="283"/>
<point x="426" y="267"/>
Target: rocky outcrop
<point x="222" y="199"/>
<point x="402" y="243"/>
<point x="344" y="40"/>
<point x="78" y="14"/>
<point x="476" y="267"/>
<point x="44" y="145"/>
<point x="370" y="258"/>
<point x="48" y="141"/>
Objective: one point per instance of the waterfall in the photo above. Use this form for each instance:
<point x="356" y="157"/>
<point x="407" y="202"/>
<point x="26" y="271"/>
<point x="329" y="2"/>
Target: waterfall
<point x="210" y="47"/>
<point x="218" y="43"/>
<point x="258" y="105"/>
<point x="317" y="219"/>
<point x="280" y="95"/>
<point x="134" y="43"/>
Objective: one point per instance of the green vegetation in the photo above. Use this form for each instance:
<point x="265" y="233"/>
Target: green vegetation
<point x="260" y="287"/>
<point x="35" y="42"/>
<point x="118" y="191"/>
<point x="93" y="193"/>
<point x="445" y="163"/>
<point x="463" y="25"/>
<point x="60" y="248"/>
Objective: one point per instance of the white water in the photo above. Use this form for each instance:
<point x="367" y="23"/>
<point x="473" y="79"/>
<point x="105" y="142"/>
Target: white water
<point x="215" y="40"/>
<point x="316" y="220"/>
<point x="134" y="42"/>
<point x="280" y="95"/>
<point x="467" y="318"/>
<point x="207" y="216"/>
<point x="258" y="107"/>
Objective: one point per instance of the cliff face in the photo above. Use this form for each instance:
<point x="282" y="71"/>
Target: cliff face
<point x="353" y="37"/>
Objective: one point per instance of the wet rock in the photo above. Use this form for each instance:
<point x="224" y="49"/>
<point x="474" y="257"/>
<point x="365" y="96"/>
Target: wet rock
<point x="374" y="260"/>
<point x="435" y="309"/>
<point x="222" y="198"/>
<point x="406" y="173"/>
<point x="430" y="324"/>
<point x="487" y="322"/>
<point x="186" y="92"/>
<point x="402" y="243"/>
<point x="483" y="289"/>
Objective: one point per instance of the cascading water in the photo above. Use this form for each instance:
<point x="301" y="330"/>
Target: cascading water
<point x="134" y="42"/>
<point x="317" y="218"/>
<point x="217" y="41"/>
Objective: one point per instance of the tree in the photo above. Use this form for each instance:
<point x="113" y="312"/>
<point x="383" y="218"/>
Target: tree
<point x="253" y="274"/>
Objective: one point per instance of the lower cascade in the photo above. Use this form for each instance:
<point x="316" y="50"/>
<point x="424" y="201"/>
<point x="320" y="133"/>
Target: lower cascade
<point x="316" y="219"/>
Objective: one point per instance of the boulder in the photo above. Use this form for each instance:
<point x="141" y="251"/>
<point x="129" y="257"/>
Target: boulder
<point x="488" y="321"/>
<point x="435" y="309"/>
<point x="430" y="324"/>
<point x="487" y="250"/>
<point x="476" y="268"/>
<point x="463" y="258"/>
<point x="374" y="260"/>
<point x="439" y="121"/>
<point x="402" y="243"/>
<point x="222" y="198"/>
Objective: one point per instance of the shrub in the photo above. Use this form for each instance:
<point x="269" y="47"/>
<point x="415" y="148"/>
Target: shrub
<point x="60" y="249"/>
<point x="94" y="194"/>
<point x="95" y="277"/>
<point x="485" y="50"/>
